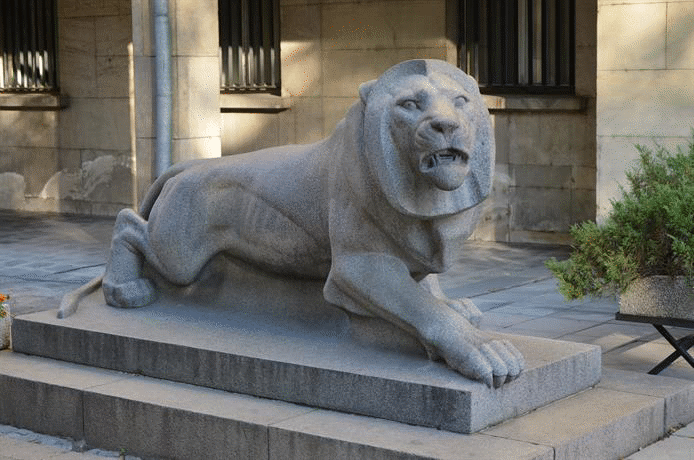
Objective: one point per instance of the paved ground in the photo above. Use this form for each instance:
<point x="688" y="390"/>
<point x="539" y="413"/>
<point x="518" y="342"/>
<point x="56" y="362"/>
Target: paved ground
<point x="44" y="256"/>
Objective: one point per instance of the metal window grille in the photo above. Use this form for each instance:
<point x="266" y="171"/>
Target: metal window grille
<point x="249" y="45"/>
<point x="518" y="45"/>
<point x="27" y="45"/>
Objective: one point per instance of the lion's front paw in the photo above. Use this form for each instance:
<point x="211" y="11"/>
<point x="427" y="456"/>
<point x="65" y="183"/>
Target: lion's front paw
<point x="479" y="356"/>
<point x="131" y="294"/>
<point x="467" y="309"/>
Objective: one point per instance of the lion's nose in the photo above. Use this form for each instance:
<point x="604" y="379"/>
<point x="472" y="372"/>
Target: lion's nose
<point x="443" y="125"/>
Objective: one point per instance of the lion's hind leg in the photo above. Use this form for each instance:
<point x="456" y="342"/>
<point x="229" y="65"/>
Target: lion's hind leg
<point x="124" y="285"/>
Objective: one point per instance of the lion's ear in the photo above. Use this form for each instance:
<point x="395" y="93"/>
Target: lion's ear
<point x="365" y="89"/>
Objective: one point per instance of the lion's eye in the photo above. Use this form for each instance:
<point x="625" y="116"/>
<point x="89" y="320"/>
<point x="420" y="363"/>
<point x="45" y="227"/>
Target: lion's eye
<point x="409" y="104"/>
<point x="460" y="101"/>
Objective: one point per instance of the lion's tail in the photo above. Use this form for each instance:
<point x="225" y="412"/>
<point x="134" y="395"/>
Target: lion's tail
<point x="70" y="301"/>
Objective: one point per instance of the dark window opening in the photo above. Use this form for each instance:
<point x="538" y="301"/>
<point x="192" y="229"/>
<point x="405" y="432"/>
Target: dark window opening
<point x="522" y="46"/>
<point x="249" y="46"/>
<point x="27" y="46"/>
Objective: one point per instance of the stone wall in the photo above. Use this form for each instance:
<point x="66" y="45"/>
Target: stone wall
<point x="645" y="90"/>
<point x="90" y="149"/>
<point x="545" y="147"/>
<point x="71" y="152"/>
<point x="327" y="50"/>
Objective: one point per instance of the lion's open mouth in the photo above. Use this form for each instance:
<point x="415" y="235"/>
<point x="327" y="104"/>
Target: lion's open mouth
<point x="447" y="168"/>
<point x="443" y="158"/>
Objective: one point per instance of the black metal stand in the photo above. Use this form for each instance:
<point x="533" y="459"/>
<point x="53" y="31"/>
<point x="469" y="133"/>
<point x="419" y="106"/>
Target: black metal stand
<point x="681" y="346"/>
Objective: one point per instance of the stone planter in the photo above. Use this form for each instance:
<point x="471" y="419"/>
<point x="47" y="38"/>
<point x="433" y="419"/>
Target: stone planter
<point x="5" y="332"/>
<point x="659" y="296"/>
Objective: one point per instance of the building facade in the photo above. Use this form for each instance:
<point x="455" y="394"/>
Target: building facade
<point x="137" y="84"/>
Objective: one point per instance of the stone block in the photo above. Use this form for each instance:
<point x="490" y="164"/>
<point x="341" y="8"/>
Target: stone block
<point x="366" y="65"/>
<point x="28" y="129"/>
<point x="500" y="122"/>
<point x="77" y="36"/>
<point x="334" y="110"/>
<point x="39" y="407"/>
<point x="323" y="362"/>
<point x="112" y="76"/>
<point x="540" y="209"/>
<point x="309" y="118"/>
<point x="648" y="103"/>
<point x="196" y="97"/>
<point x="90" y="8"/>
<point x="169" y="420"/>
<point x="300" y="22"/>
<point x="586" y="72"/>
<point x="541" y="176"/>
<point x="247" y="132"/>
<point x="557" y="139"/>
<point x="302" y="70"/>
<point x="194" y="148"/>
<point x="323" y="434"/>
<point x="584" y="177"/>
<point x="141" y="28"/>
<point x="598" y="424"/>
<point x="672" y="448"/>
<point x="678" y="394"/>
<point x="144" y="68"/>
<point x="144" y="149"/>
<point x="45" y="396"/>
<point x="632" y="36"/>
<point x="96" y="124"/>
<point x="194" y="29"/>
<point x="12" y="190"/>
<point x="36" y="164"/>
<point x="494" y="223"/>
<point x="582" y="205"/>
<point x="680" y="44"/>
<point x="396" y="24"/>
<point x="114" y="35"/>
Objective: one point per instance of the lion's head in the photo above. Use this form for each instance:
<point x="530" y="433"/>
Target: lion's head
<point x="427" y="138"/>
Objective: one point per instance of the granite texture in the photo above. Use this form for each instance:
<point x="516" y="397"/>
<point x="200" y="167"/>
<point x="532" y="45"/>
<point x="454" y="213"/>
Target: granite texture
<point x="659" y="296"/>
<point x="330" y="362"/>
<point x="374" y="211"/>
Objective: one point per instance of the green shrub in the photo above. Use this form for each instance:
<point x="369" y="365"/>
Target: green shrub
<point x="650" y="230"/>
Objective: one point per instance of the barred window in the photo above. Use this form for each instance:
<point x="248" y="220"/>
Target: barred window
<point x="518" y="45"/>
<point x="249" y="45"/>
<point x="27" y="45"/>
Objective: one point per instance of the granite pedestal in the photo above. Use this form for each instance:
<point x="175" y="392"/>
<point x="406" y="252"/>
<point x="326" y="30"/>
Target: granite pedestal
<point x="311" y="354"/>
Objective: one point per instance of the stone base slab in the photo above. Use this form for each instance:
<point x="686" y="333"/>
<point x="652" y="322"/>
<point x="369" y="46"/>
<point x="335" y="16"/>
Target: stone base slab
<point x="153" y="418"/>
<point x="318" y="364"/>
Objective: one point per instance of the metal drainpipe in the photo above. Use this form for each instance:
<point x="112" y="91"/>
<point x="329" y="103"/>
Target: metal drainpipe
<point x="162" y="84"/>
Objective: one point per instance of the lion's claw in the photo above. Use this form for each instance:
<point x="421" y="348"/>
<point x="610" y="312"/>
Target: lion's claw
<point x="479" y="356"/>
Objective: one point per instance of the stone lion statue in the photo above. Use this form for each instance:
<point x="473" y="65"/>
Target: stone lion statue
<point x="375" y="210"/>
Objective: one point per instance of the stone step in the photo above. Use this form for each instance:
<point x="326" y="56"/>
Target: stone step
<point x="155" y="418"/>
<point x="323" y="366"/>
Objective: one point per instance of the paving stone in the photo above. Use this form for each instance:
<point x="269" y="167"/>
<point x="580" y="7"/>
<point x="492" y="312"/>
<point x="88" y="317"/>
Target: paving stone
<point x="672" y="448"/>
<point x="644" y="356"/>
<point x="686" y="432"/>
<point x="678" y="394"/>
<point x="584" y="426"/>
